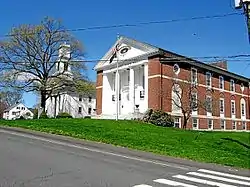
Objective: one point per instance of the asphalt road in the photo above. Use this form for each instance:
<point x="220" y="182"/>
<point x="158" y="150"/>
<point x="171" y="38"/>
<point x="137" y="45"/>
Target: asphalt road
<point x="32" y="161"/>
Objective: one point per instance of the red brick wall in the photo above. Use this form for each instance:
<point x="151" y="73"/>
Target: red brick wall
<point x="99" y="82"/>
<point x="160" y="91"/>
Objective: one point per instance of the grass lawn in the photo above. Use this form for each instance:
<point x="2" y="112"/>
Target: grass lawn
<point x="227" y="148"/>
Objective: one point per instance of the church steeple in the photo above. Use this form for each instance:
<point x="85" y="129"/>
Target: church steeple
<point x="64" y="58"/>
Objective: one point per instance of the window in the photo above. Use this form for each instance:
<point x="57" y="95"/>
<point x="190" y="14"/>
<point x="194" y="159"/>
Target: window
<point x="232" y="85"/>
<point x="194" y="76"/>
<point x="23" y="108"/>
<point x="90" y="99"/>
<point x="208" y="79"/>
<point x="243" y="107"/>
<point x="194" y="105"/>
<point x="221" y="82"/>
<point x="210" y="124"/>
<point x="13" y="113"/>
<point x="89" y="111"/>
<point x="233" y="107"/>
<point x="234" y="125"/>
<point x="209" y="104"/>
<point x="18" y="108"/>
<point x="79" y="110"/>
<point x="177" y="122"/>
<point x="195" y="123"/>
<point x="80" y="97"/>
<point x="176" y="98"/>
<point x="66" y="66"/>
<point x="222" y="106"/>
<point x="244" y="125"/>
<point x="222" y="124"/>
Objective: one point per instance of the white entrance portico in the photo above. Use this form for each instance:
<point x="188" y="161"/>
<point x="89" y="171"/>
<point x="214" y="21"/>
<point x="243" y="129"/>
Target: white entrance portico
<point x="132" y="79"/>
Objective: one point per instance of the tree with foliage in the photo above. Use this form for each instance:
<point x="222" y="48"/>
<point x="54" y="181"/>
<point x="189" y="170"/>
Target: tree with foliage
<point x="32" y="54"/>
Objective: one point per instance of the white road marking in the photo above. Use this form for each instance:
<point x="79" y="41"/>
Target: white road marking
<point x="94" y="150"/>
<point x="142" y="185"/>
<point x="173" y="183"/>
<point x="218" y="178"/>
<point x="224" y="174"/>
<point x="202" y="181"/>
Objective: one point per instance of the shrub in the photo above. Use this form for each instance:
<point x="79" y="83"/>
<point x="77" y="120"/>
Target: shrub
<point x="63" y="115"/>
<point x="147" y="115"/>
<point x="87" y="117"/>
<point x="158" y="118"/>
<point x="43" y="115"/>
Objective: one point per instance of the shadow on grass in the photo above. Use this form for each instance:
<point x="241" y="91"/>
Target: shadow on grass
<point x="237" y="141"/>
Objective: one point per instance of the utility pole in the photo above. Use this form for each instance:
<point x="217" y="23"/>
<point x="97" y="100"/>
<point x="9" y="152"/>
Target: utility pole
<point x="245" y="5"/>
<point x="117" y="79"/>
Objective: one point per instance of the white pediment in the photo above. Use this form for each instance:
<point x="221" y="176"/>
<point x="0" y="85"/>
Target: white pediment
<point x="128" y="49"/>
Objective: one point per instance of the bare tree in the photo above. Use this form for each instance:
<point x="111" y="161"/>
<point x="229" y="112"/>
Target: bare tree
<point x="11" y="97"/>
<point x="186" y="100"/>
<point x="36" y="58"/>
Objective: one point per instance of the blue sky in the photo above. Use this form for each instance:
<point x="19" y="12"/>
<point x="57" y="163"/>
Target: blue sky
<point x="211" y="37"/>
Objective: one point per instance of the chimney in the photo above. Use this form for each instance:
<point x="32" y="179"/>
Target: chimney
<point x="220" y="64"/>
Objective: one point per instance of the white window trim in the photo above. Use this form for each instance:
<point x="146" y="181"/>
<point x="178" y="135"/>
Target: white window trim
<point x="221" y="81"/>
<point x="235" y="125"/>
<point x="197" y="123"/>
<point x="210" y="79"/>
<point x="245" y="125"/>
<point x="209" y="113"/>
<point x="179" y="121"/>
<point x="242" y="101"/>
<point x="233" y="114"/>
<point x="195" y="112"/>
<point x="196" y="72"/>
<point x="232" y="81"/>
<point x="224" y="124"/>
<point x="222" y="99"/>
<point x="212" y="124"/>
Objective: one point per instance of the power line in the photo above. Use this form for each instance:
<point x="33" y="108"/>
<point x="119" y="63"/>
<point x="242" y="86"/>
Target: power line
<point x="237" y="57"/>
<point x="140" y="23"/>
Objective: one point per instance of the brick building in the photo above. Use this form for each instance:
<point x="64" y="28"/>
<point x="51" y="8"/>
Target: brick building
<point x="148" y="75"/>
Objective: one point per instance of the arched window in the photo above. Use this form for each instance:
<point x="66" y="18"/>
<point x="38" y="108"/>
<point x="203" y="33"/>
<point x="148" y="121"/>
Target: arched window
<point x="176" y="98"/>
<point x="243" y="107"/>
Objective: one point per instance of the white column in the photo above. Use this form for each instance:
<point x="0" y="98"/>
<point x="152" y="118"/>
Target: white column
<point x="105" y="97"/>
<point x="132" y="89"/>
<point x="117" y="91"/>
<point x="146" y="85"/>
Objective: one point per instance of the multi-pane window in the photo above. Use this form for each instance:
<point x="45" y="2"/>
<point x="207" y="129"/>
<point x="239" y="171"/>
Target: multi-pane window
<point x="90" y="99"/>
<point x="194" y="104"/>
<point x="234" y="125"/>
<point x="232" y="85"/>
<point x="195" y="123"/>
<point x="208" y="79"/>
<point x="233" y="107"/>
<point x="194" y="79"/>
<point x="89" y="111"/>
<point x="80" y="97"/>
<point x="221" y="82"/>
<point x="243" y="107"/>
<point x="221" y="105"/>
<point x="177" y="122"/>
<point x="244" y="125"/>
<point x="209" y="104"/>
<point x="79" y="110"/>
<point x="210" y="123"/>
<point x="223" y="124"/>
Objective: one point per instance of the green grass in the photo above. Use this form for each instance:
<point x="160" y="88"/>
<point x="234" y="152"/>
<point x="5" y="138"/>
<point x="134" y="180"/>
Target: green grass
<point x="209" y="147"/>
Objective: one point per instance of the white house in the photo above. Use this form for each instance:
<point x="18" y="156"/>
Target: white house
<point x="69" y="100"/>
<point x="16" y="111"/>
